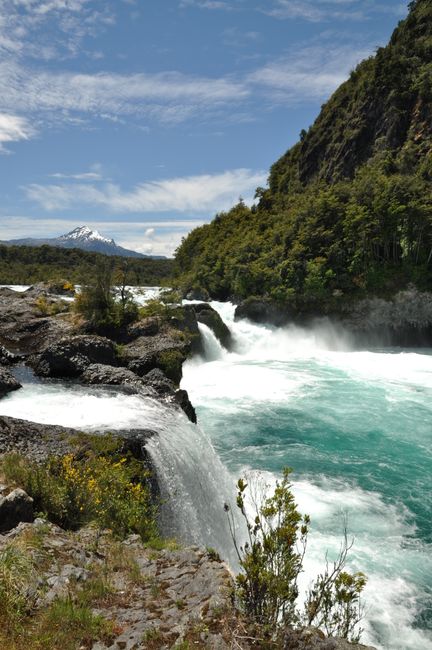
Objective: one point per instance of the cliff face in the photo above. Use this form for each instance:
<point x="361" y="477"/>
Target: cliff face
<point x="384" y="106"/>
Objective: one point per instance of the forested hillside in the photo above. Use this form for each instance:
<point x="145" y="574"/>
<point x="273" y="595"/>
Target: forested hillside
<point x="29" y="264"/>
<point x="348" y="211"/>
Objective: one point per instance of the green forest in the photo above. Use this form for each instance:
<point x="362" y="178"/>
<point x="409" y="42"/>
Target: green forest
<point x="30" y="264"/>
<point x="348" y="210"/>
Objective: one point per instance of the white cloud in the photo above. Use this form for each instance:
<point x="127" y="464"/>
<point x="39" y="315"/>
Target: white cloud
<point x="310" y="73"/>
<point x="14" y="128"/>
<point x="170" y="97"/>
<point x="326" y="10"/>
<point x="196" y="194"/>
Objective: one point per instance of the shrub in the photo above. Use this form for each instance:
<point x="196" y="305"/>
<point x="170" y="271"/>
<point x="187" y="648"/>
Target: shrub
<point x="112" y="490"/>
<point x="271" y="561"/>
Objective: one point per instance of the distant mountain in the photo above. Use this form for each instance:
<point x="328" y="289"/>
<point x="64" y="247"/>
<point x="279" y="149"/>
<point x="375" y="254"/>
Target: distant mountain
<point x="84" y="238"/>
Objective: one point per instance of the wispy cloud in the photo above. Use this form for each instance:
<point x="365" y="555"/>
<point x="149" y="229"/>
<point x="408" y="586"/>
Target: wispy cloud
<point x="25" y="24"/>
<point x="310" y="73"/>
<point x="12" y="129"/>
<point x="327" y="10"/>
<point x="193" y="194"/>
<point x="169" y="97"/>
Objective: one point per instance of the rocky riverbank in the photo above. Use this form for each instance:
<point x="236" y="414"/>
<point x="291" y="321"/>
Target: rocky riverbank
<point x="404" y="320"/>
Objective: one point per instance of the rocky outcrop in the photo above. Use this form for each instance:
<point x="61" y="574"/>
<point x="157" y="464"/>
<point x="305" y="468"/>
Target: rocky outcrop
<point x="69" y="357"/>
<point x="42" y="441"/>
<point x="154" y="384"/>
<point x="22" y="327"/>
<point x="153" y="599"/>
<point x="8" y="382"/>
<point x="405" y="320"/>
<point x="209" y="316"/>
<point x="15" y="507"/>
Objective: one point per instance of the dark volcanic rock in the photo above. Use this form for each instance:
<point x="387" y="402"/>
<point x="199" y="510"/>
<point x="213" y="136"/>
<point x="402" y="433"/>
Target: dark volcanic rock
<point x="98" y="373"/>
<point x="15" y="508"/>
<point x="182" y="399"/>
<point x="159" y="382"/>
<point x="69" y="357"/>
<point x="22" y="329"/>
<point x="209" y="316"/>
<point x="8" y="382"/>
<point x="41" y="441"/>
<point x="405" y="320"/>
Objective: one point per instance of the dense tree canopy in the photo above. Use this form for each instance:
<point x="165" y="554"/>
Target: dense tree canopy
<point x="348" y="210"/>
<point x="29" y="264"/>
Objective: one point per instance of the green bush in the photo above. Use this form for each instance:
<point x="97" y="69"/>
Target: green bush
<point x="271" y="561"/>
<point x="110" y="489"/>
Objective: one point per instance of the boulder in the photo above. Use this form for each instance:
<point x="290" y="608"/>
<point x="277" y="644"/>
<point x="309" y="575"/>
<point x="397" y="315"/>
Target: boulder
<point x="98" y="373"/>
<point x="22" y="329"/>
<point x="209" y="316"/>
<point x="8" y="382"/>
<point x="69" y="357"/>
<point x="15" y="508"/>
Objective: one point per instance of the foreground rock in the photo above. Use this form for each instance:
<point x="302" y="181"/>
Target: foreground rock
<point x="38" y="442"/>
<point x="24" y="328"/>
<point x="70" y="356"/>
<point x="151" y="599"/>
<point x="167" y="349"/>
<point x="8" y="382"/>
<point x="15" y="508"/>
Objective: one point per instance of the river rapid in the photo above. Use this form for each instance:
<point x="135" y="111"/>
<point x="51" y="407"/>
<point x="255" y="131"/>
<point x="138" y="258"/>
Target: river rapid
<point x="355" y="426"/>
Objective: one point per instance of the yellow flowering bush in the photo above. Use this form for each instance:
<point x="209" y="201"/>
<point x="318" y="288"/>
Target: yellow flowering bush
<point x="110" y="489"/>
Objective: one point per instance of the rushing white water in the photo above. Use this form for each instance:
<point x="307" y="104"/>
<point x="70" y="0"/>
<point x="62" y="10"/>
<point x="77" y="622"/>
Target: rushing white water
<point x="356" y="427"/>
<point x="193" y="482"/>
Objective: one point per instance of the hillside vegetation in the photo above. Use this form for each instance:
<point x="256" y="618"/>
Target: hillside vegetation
<point x="29" y="264"/>
<point x="348" y="210"/>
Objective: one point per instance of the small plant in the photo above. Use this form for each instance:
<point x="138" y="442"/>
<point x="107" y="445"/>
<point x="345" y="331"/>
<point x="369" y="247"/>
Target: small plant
<point x="213" y="554"/>
<point x="271" y="560"/>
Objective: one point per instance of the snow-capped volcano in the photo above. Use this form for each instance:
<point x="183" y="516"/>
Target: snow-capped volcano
<point x="84" y="233"/>
<point x="84" y="238"/>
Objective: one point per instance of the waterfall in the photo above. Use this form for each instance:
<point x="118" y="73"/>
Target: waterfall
<point x="212" y="347"/>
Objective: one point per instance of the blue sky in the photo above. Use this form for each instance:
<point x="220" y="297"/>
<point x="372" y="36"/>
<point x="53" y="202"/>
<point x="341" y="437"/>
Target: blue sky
<point x="143" y="118"/>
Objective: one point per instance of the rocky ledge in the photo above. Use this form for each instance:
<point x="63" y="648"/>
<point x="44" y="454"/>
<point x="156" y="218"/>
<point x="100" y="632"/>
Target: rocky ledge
<point x="404" y="320"/>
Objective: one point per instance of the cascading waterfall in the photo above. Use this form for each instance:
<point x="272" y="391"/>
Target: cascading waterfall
<point x="193" y="482"/>
<point x="355" y="426"/>
<point x="212" y="348"/>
